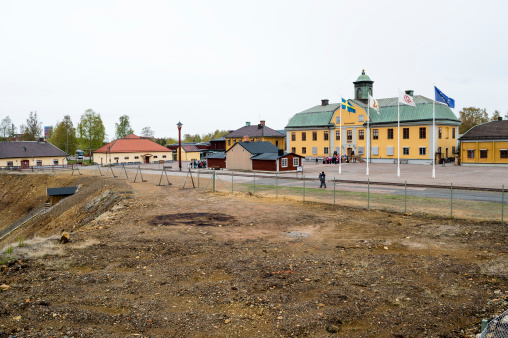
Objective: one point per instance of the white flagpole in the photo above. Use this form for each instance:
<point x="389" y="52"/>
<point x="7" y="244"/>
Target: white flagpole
<point x="434" y="134"/>
<point x="398" y="133"/>
<point x="368" y="134"/>
<point x="340" y="136"/>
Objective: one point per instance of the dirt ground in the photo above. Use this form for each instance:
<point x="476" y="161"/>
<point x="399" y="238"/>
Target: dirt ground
<point x="159" y="261"/>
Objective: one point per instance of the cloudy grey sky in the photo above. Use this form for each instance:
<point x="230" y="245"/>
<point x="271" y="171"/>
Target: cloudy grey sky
<point x="217" y="64"/>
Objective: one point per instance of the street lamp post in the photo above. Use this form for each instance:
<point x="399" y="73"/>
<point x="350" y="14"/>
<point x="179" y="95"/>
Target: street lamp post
<point x="179" y="124"/>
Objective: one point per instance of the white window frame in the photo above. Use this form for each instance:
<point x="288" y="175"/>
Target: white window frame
<point x="389" y="150"/>
<point x="337" y="119"/>
<point x="424" y="151"/>
<point x="360" y="150"/>
<point x="375" y="150"/>
<point x="404" y="150"/>
<point x="296" y="161"/>
<point x="360" y="118"/>
<point x="284" y="162"/>
<point x="326" y="150"/>
<point x="314" y="150"/>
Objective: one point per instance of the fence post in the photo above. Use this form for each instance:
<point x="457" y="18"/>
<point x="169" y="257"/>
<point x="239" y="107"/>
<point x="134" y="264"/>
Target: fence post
<point x="451" y="200"/>
<point x="334" y="190"/>
<point x="214" y="180"/>
<point x="303" y="176"/>
<point x="198" y="179"/>
<point x="405" y="197"/>
<point x="276" y="185"/>
<point x="232" y="184"/>
<point x="254" y="184"/>
<point x="502" y="204"/>
<point x="368" y="193"/>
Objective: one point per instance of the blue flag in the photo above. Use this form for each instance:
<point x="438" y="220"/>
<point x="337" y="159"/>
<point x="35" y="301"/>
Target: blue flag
<point x="346" y="104"/>
<point x="441" y="97"/>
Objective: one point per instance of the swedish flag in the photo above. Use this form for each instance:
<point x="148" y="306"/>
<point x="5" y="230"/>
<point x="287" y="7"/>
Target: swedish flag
<point x="347" y="105"/>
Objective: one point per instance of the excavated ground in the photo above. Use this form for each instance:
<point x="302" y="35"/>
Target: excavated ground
<point x="158" y="261"/>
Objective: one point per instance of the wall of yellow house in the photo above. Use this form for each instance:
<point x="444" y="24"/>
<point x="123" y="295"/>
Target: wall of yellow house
<point x="276" y="141"/>
<point x="188" y="156"/>
<point x="44" y="161"/>
<point x="493" y="150"/>
<point x="303" y="145"/>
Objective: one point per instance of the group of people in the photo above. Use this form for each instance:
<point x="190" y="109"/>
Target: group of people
<point x="198" y="164"/>
<point x="335" y="159"/>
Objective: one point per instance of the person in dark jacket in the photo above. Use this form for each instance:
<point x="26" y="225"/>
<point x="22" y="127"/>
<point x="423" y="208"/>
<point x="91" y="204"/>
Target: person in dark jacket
<point x="322" y="178"/>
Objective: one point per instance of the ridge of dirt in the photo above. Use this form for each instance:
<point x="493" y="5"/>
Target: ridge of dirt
<point x="261" y="267"/>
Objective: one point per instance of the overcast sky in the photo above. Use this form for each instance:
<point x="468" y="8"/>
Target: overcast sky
<point x="217" y="64"/>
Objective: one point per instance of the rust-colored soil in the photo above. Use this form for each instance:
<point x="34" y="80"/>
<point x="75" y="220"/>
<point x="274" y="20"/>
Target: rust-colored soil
<point x="158" y="261"/>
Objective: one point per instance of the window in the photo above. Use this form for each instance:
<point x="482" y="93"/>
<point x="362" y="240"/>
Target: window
<point x="389" y="150"/>
<point x="304" y="136"/>
<point x="470" y="153"/>
<point x="229" y="142"/>
<point x="337" y="119"/>
<point x="405" y="133"/>
<point x="259" y="140"/>
<point x="116" y="158"/>
<point x="503" y="153"/>
<point x="361" y="134"/>
<point x="453" y="150"/>
<point x="314" y="136"/>
<point x="163" y="156"/>
<point x="483" y="153"/>
<point x="423" y="132"/>
<point x="284" y="162"/>
<point x="293" y="136"/>
<point x="155" y="156"/>
<point x="293" y="150"/>
<point x="453" y="132"/>
<point x="440" y="132"/>
<point x="234" y="140"/>
<point x="375" y="134"/>
<point x="314" y="150"/>
<point x="39" y="163"/>
<point x="360" y="150"/>
<point x="375" y="150"/>
<point x="326" y="135"/>
<point x="277" y="143"/>
<point x="349" y="135"/>
<point x="423" y="151"/>
<point x="326" y="150"/>
<point x="405" y="151"/>
<point x="10" y="164"/>
<point x="390" y="134"/>
<point x="136" y="157"/>
<point x="126" y="157"/>
<point x="337" y="135"/>
<point x="360" y="118"/>
<point x="296" y="161"/>
<point x="304" y="150"/>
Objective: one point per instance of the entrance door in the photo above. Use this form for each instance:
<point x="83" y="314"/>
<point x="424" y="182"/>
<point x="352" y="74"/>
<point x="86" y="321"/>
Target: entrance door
<point x="446" y="152"/>
<point x="147" y="159"/>
<point x="25" y="164"/>
<point x="349" y="150"/>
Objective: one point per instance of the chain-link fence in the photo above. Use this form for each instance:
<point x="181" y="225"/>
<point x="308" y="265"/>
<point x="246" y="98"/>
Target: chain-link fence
<point x="497" y="327"/>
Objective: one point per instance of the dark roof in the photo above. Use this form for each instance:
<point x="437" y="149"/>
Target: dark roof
<point x="254" y="131"/>
<point x="29" y="149"/>
<point x="271" y="156"/>
<point x="188" y="148"/>
<point x="490" y="130"/>
<point x="220" y="139"/>
<point x="61" y="191"/>
<point x="220" y="155"/>
<point x="257" y="147"/>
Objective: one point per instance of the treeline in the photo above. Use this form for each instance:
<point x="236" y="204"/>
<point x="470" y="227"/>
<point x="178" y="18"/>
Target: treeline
<point x="472" y="116"/>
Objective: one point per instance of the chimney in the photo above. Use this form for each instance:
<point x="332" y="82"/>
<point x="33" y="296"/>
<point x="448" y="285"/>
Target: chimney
<point x="246" y="139"/>
<point x="410" y="92"/>
<point x="247" y="124"/>
<point x="262" y="122"/>
<point x="324" y="102"/>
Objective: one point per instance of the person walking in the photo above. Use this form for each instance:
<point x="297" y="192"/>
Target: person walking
<point x="322" y="178"/>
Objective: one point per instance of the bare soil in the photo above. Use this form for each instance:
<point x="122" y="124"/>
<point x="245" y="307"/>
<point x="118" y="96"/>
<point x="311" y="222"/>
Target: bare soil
<point x="159" y="261"/>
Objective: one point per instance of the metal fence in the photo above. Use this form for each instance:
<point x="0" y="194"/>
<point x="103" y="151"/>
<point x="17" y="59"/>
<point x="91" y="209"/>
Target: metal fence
<point x="497" y="327"/>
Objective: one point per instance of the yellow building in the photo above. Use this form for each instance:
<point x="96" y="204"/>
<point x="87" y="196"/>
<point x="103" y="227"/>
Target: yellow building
<point x="485" y="144"/>
<point x="26" y="154"/>
<point x="317" y="131"/>
<point x="256" y="133"/>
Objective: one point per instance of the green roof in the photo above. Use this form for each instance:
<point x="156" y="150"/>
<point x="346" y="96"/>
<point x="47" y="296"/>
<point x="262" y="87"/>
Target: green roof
<point x="318" y="116"/>
<point x="422" y="111"/>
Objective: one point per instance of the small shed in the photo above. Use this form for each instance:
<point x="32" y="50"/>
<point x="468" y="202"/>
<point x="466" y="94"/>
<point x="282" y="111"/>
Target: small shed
<point x="216" y="160"/>
<point x="57" y="194"/>
<point x="276" y="161"/>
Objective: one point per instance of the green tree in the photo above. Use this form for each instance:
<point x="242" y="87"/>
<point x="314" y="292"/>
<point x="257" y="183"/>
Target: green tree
<point x="496" y="116"/>
<point x="4" y="126"/>
<point x="32" y="129"/>
<point x="147" y="132"/>
<point x="470" y="117"/>
<point x="12" y="132"/>
<point x="64" y="136"/>
<point x="212" y="136"/>
<point x="187" y="138"/>
<point x="91" y="131"/>
<point x="171" y="140"/>
<point x="124" y="127"/>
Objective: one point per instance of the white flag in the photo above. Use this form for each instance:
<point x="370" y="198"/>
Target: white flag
<point x="373" y="104"/>
<point x="406" y="99"/>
